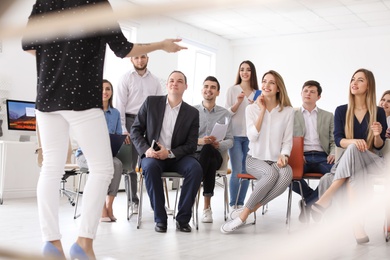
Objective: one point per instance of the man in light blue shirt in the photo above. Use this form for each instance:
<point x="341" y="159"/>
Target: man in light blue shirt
<point x="210" y="147"/>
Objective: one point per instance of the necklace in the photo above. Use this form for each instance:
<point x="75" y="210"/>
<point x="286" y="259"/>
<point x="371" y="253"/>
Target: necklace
<point x="360" y="109"/>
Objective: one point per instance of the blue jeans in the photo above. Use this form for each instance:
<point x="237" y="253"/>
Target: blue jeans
<point x="315" y="162"/>
<point x="237" y="159"/>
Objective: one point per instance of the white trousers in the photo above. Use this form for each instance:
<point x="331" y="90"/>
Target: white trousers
<point x="89" y="129"/>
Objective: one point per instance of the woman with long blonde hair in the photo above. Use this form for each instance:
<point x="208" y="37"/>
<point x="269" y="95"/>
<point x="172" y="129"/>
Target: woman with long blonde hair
<point x="359" y="129"/>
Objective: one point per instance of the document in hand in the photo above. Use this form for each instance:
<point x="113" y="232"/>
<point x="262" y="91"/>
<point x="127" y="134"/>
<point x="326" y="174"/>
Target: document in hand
<point x="219" y="130"/>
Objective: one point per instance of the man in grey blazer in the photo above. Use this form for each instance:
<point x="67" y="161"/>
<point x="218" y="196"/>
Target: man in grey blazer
<point x="316" y="126"/>
<point x="174" y="126"/>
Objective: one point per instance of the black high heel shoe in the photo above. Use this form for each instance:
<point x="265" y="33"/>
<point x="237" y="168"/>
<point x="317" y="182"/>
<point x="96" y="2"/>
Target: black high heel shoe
<point x="317" y="211"/>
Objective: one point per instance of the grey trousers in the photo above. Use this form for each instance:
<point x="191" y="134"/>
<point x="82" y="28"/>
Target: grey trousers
<point x="116" y="179"/>
<point x="133" y="163"/>
<point x="272" y="181"/>
<point x="358" y="167"/>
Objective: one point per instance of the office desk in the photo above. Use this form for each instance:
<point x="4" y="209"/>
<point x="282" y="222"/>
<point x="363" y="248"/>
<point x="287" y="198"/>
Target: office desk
<point x="19" y="171"/>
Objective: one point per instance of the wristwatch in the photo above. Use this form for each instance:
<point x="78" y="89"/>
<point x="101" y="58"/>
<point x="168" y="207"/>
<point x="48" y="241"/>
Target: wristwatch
<point x="170" y="154"/>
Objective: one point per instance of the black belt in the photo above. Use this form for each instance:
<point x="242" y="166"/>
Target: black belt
<point x="314" y="152"/>
<point x="131" y="115"/>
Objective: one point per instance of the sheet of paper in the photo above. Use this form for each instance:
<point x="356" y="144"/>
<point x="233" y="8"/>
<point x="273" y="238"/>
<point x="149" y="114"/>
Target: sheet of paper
<point x="219" y="130"/>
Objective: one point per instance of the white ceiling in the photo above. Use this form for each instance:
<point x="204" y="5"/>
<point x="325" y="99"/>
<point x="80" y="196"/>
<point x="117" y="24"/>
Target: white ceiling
<point x="271" y="18"/>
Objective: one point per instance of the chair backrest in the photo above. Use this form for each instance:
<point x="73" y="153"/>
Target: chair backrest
<point x="124" y="155"/>
<point x="225" y="160"/>
<point x="296" y="158"/>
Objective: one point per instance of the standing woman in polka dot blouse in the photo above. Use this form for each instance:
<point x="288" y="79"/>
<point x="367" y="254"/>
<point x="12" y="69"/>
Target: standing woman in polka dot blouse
<point x="69" y="99"/>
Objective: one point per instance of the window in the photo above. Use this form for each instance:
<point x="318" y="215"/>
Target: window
<point x="115" y="67"/>
<point x="196" y="63"/>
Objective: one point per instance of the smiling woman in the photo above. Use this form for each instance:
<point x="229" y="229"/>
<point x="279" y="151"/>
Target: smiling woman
<point x="359" y="129"/>
<point x="385" y="104"/>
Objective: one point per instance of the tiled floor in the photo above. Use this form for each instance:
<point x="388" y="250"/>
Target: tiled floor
<point x="268" y="239"/>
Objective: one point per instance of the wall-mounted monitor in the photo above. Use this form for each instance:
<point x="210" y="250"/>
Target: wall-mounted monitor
<point x="21" y="117"/>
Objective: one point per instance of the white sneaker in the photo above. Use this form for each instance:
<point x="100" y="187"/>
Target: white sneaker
<point x="232" y="225"/>
<point x="207" y="216"/>
<point x="135" y="208"/>
<point x="169" y="211"/>
<point x="235" y="213"/>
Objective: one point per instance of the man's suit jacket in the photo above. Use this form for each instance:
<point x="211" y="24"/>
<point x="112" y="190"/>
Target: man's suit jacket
<point x="325" y="125"/>
<point x="148" y="123"/>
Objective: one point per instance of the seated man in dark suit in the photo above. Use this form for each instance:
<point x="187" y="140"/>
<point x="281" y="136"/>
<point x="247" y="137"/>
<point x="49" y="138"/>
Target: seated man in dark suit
<point x="174" y="125"/>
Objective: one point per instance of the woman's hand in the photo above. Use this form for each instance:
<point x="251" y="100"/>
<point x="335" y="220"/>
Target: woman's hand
<point x="240" y="97"/>
<point x="360" y="144"/>
<point x="376" y="128"/>
<point x="260" y="102"/>
<point x="282" y="161"/>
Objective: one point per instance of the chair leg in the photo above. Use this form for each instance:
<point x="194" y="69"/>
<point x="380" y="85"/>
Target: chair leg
<point x="226" y="197"/>
<point x="264" y="209"/>
<point x="177" y="195"/>
<point x="129" y="196"/>
<point x="238" y="192"/>
<point x="75" y="216"/>
<point x="288" y="215"/>
<point x="196" y="210"/>
<point x="289" y="207"/>
<point x="254" y="212"/>
<point x="141" y="188"/>
<point x="166" y="192"/>
<point x="67" y="193"/>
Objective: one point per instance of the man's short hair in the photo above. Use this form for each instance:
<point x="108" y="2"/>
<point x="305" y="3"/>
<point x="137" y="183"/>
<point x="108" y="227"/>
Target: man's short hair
<point x="178" y="71"/>
<point x="315" y="84"/>
<point x="214" y="79"/>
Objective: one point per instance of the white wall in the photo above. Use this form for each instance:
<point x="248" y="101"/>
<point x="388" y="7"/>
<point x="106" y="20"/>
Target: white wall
<point x="330" y="58"/>
<point x="162" y="64"/>
<point x="18" y="71"/>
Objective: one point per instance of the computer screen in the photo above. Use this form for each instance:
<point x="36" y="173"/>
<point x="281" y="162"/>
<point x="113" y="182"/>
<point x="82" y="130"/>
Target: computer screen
<point x="21" y="115"/>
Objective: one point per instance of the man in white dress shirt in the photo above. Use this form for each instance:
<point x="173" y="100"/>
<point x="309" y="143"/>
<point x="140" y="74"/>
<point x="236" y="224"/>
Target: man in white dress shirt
<point x="133" y="89"/>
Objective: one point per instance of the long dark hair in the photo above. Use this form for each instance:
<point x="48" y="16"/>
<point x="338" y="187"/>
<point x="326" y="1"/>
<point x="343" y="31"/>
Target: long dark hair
<point x="112" y="91"/>
<point x="253" y="80"/>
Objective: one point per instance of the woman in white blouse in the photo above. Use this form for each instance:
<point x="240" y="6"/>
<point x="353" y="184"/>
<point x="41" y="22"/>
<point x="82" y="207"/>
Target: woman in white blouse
<point x="269" y="126"/>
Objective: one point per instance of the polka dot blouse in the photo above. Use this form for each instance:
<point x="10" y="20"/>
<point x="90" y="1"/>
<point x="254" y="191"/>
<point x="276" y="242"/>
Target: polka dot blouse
<point x="70" y="68"/>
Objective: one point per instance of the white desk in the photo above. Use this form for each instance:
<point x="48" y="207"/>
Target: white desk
<point x="19" y="171"/>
